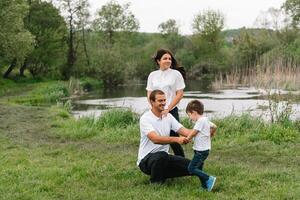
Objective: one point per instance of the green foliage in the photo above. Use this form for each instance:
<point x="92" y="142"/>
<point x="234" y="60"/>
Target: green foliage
<point x="109" y="67"/>
<point x="117" y="118"/>
<point x="114" y="126"/>
<point x="209" y="25"/>
<point x="113" y="17"/>
<point x="292" y="7"/>
<point x="44" y="93"/>
<point x="6" y="86"/>
<point x="186" y="122"/>
<point x="169" y="27"/>
<point x="254" y="129"/>
<point x="47" y="25"/>
<point x="89" y="84"/>
<point x="15" y="41"/>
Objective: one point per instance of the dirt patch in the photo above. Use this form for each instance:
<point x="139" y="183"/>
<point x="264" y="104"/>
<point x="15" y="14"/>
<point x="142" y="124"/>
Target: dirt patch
<point x="25" y="124"/>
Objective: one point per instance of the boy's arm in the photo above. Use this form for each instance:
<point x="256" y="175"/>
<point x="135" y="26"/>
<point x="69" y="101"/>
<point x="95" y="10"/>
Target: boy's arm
<point x="184" y="131"/>
<point x="192" y="134"/>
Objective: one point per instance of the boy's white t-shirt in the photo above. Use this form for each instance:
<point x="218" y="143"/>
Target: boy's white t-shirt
<point x="169" y="81"/>
<point x="202" y="140"/>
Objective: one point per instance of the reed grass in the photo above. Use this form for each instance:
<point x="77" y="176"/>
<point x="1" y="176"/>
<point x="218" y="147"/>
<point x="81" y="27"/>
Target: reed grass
<point x="267" y="77"/>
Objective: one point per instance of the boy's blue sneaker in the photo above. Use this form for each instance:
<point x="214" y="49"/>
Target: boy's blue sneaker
<point x="210" y="183"/>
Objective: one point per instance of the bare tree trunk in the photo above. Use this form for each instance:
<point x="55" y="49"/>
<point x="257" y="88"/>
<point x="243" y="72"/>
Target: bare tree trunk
<point x="11" y="67"/>
<point x="71" y="52"/>
<point x="84" y="47"/>
<point x="23" y="67"/>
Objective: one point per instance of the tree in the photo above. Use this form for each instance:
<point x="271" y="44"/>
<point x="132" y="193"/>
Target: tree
<point x="207" y="41"/>
<point x="15" y="41"/>
<point x="82" y="24"/>
<point x="209" y="25"/>
<point x="272" y="18"/>
<point x="292" y="7"/>
<point x="49" y="29"/>
<point x="113" y="17"/>
<point x="170" y="31"/>
<point x="169" y="27"/>
<point x="71" y="9"/>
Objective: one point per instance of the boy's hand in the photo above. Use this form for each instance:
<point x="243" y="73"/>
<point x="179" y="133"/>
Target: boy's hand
<point x="182" y="140"/>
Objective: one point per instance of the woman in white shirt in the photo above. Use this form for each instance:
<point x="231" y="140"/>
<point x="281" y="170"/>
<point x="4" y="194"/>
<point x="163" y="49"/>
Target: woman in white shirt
<point x="168" y="79"/>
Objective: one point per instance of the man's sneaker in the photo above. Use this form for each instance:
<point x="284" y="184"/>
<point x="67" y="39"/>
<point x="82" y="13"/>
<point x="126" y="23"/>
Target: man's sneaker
<point x="210" y="183"/>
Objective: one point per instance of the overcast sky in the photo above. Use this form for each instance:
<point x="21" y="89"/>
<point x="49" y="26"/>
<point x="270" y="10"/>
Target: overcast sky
<point x="150" y="13"/>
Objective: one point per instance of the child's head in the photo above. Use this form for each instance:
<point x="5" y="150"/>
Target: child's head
<point x="194" y="107"/>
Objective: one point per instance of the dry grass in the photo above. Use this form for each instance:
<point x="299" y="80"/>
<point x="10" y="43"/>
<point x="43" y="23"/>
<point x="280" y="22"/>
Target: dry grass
<point x="270" y="77"/>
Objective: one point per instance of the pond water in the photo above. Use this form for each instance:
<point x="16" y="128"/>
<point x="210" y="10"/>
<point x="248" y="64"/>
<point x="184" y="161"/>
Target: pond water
<point x="217" y="103"/>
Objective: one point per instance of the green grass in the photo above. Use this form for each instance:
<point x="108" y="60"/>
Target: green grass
<point x="32" y="91"/>
<point x="57" y="157"/>
<point x="46" y="154"/>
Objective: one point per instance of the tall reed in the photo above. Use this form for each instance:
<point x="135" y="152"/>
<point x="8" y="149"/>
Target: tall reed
<point x="275" y="76"/>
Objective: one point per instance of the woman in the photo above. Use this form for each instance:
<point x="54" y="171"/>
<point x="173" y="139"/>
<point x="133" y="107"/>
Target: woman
<point x="171" y="82"/>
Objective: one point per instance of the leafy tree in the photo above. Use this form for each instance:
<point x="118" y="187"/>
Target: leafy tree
<point x="209" y="25"/>
<point x="113" y="17"/>
<point x="207" y="42"/>
<point x="170" y="33"/>
<point x="49" y="29"/>
<point x="71" y="10"/>
<point x="82" y="24"/>
<point x="15" y="41"/>
<point x="169" y="27"/>
<point x="292" y="7"/>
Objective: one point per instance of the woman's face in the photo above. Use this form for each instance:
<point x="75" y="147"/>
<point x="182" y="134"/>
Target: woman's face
<point x="165" y="61"/>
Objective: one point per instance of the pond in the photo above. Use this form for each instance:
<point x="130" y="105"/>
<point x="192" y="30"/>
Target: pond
<point x="217" y="103"/>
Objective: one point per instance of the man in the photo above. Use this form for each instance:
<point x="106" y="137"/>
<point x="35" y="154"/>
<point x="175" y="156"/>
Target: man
<point x="153" y="157"/>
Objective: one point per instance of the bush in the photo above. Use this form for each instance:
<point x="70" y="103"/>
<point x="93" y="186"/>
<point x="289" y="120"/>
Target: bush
<point x="117" y="118"/>
<point x="44" y="94"/>
<point x="89" y="84"/>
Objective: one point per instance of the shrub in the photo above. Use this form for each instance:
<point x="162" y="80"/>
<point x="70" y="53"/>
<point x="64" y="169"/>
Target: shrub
<point x="117" y="118"/>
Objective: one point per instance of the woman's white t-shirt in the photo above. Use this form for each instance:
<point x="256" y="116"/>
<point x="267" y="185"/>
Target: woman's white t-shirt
<point x="169" y="81"/>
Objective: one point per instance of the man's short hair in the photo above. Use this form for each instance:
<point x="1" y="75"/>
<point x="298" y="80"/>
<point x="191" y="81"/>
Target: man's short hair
<point x="195" y="105"/>
<point x="154" y="93"/>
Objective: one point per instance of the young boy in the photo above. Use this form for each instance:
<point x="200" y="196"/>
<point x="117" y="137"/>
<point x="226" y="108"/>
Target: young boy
<point x="202" y="144"/>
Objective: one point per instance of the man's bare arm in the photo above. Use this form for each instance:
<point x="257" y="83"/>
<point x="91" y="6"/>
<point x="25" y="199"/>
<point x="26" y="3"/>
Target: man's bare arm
<point x="157" y="139"/>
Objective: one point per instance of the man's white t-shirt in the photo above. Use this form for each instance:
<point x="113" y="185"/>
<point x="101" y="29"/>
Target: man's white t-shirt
<point x="202" y="140"/>
<point x="169" y="81"/>
<point x="162" y="126"/>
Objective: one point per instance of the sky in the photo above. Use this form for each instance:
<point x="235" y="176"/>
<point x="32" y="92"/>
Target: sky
<point x="150" y="13"/>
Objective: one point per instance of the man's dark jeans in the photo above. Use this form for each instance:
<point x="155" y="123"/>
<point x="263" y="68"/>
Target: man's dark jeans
<point x="161" y="165"/>
<point x="196" y="166"/>
<point x="177" y="148"/>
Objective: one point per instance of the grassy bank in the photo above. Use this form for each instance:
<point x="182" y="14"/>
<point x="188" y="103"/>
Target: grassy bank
<point x="46" y="154"/>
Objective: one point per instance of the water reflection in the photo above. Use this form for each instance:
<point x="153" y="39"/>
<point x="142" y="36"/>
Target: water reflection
<point x="217" y="103"/>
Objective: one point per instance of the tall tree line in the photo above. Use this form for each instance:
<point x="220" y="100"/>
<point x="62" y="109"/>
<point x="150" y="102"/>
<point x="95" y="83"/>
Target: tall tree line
<point x="58" y="39"/>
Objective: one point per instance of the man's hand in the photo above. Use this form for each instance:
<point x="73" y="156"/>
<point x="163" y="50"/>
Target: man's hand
<point x="182" y="140"/>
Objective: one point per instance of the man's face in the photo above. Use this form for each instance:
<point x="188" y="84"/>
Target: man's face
<point x="160" y="102"/>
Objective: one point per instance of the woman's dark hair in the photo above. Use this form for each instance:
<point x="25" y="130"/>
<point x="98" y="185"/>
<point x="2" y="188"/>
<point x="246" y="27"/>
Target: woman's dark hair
<point x="161" y="52"/>
<point x="174" y="65"/>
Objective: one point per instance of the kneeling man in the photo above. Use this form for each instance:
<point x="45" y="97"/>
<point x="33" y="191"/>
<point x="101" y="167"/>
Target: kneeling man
<point x="153" y="157"/>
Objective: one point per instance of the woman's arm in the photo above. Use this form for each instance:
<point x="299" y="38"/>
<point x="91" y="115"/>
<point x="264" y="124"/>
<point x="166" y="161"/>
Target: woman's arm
<point x="176" y="100"/>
